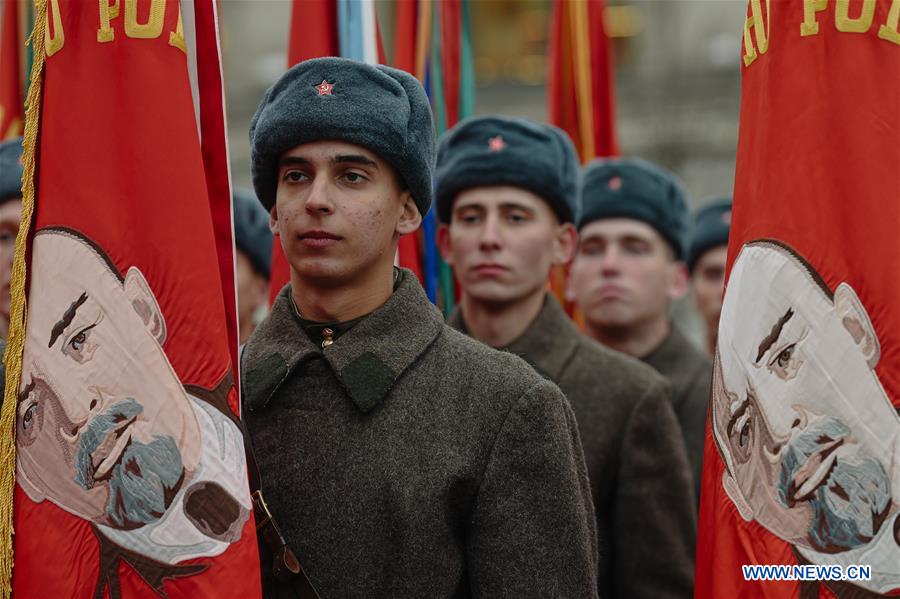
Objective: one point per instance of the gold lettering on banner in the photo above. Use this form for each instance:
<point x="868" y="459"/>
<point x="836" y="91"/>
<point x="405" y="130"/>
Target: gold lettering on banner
<point x="176" y="38"/>
<point x="108" y="12"/>
<point x="890" y="30"/>
<point x="152" y="28"/>
<point x="860" y="24"/>
<point x="54" y="43"/>
<point x="810" y="7"/>
<point x="760" y="31"/>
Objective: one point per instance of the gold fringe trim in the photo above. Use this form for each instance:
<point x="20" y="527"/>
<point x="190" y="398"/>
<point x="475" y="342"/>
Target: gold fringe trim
<point x="15" y="343"/>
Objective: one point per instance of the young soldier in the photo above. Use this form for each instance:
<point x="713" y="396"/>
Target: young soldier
<point x="506" y="197"/>
<point x="400" y="458"/>
<point x="628" y="268"/>
<point x="10" y="207"/>
<point x="706" y="263"/>
<point x="253" y="241"/>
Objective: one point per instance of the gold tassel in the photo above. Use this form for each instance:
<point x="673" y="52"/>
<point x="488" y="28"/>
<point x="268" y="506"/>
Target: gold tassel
<point x="15" y="343"/>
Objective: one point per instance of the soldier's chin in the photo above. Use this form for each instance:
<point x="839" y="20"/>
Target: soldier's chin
<point x="144" y="483"/>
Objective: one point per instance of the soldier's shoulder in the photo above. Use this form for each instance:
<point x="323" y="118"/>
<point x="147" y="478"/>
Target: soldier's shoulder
<point x="613" y="371"/>
<point x="495" y="380"/>
<point x="469" y="358"/>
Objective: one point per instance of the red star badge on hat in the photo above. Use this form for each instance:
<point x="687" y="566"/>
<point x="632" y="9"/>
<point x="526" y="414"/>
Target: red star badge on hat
<point x="324" y="88"/>
<point x="615" y="183"/>
<point x="496" y="144"/>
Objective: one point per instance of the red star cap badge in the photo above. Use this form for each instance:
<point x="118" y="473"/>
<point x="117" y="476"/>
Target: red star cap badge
<point x="324" y="88"/>
<point x="496" y="144"/>
<point x="615" y="183"/>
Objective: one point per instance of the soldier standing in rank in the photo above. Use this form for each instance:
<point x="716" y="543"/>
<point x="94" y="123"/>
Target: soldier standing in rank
<point x="400" y="457"/>
<point x="507" y="199"/>
<point x="629" y="267"/>
<point x="706" y="263"/>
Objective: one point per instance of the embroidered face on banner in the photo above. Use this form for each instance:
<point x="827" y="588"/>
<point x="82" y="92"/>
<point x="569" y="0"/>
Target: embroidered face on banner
<point x="809" y="438"/>
<point x="105" y="430"/>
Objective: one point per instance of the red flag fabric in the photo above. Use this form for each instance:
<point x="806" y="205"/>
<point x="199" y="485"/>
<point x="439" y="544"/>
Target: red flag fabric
<point x="580" y="85"/>
<point x="802" y="462"/>
<point x="11" y="79"/>
<point x="214" y="147"/>
<point x="131" y="476"/>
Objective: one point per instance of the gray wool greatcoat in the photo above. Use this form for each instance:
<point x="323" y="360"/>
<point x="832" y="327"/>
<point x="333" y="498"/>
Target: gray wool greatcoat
<point x="639" y="473"/>
<point x="690" y="373"/>
<point x="408" y="460"/>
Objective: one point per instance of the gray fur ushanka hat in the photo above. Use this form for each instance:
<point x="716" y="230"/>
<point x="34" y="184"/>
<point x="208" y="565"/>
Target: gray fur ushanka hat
<point x="379" y="108"/>
<point x="493" y="150"/>
<point x="636" y="189"/>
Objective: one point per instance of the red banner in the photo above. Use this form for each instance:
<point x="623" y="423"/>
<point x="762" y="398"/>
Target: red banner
<point x="802" y="463"/>
<point x="131" y="476"/>
<point x="11" y="77"/>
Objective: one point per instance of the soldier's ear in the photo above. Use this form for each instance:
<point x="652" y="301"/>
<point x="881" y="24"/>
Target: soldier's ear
<point x="566" y="242"/>
<point x="273" y="220"/>
<point x="410" y="218"/>
<point x="444" y="244"/>
<point x="679" y="280"/>
<point x="138" y="292"/>
<point x="856" y="320"/>
<point x="737" y="497"/>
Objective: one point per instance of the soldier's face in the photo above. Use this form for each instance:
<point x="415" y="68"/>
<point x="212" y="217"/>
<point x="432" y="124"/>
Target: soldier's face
<point x="339" y="211"/>
<point x="9" y="228"/>
<point x="624" y="274"/>
<point x="809" y="437"/>
<point x="708" y="281"/>
<point x="502" y="242"/>
<point x="104" y="428"/>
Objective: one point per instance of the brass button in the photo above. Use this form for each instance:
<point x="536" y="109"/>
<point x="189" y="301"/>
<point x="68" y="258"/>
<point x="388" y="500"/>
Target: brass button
<point x="328" y="336"/>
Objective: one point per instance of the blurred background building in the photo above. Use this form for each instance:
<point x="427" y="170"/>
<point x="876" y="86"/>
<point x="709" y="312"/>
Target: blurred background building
<point x="677" y="78"/>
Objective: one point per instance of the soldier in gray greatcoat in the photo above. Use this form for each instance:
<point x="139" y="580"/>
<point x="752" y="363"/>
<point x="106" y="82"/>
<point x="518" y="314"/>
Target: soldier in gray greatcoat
<point x="400" y="457"/>
<point x="506" y="196"/>
<point x="634" y="232"/>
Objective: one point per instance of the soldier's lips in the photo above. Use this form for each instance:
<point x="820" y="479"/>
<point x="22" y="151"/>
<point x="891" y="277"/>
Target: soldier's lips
<point x="111" y="449"/>
<point x="318" y="239"/>
<point x="814" y="472"/>
<point x="491" y="269"/>
<point x="610" y="292"/>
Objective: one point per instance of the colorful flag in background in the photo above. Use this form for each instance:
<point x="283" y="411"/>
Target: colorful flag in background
<point x="130" y="471"/>
<point x="802" y="462"/>
<point x="12" y="67"/>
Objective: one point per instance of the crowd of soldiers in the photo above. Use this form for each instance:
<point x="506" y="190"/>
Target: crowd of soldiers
<point x="507" y="451"/>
